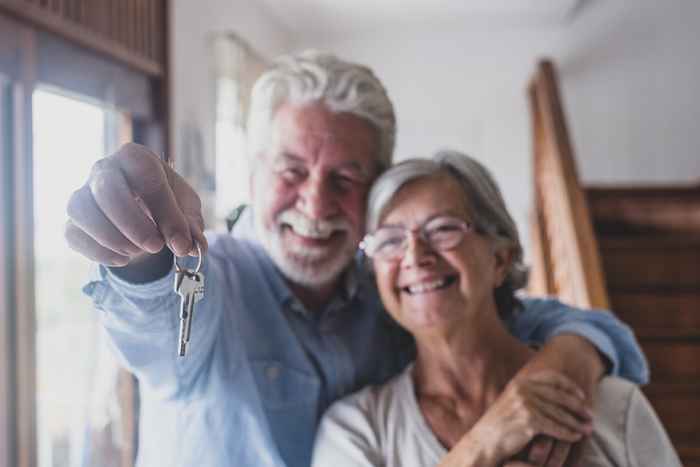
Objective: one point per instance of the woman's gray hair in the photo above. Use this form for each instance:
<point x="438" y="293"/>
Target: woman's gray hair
<point x="314" y="76"/>
<point x="482" y="196"/>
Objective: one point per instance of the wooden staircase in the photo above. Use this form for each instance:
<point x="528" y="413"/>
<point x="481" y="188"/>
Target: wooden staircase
<point x="635" y="250"/>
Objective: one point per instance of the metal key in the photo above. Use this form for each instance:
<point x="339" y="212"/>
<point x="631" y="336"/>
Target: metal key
<point x="190" y="286"/>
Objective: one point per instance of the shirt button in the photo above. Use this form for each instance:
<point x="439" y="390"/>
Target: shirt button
<point x="272" y="372"/>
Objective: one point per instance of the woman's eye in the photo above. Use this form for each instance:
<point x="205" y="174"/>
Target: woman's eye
<point x="390" y="242"/>
<point x="445" y="228"/>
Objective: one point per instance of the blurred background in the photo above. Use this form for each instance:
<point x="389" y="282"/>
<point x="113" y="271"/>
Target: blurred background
<point x="79" y="77"/>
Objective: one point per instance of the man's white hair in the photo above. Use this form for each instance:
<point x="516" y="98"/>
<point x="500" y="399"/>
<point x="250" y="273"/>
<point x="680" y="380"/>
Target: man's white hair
<point x="314" y="76"/>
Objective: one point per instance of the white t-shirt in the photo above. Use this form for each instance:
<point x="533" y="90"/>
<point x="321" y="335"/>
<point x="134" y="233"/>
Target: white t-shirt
<point x="383" y="426"/>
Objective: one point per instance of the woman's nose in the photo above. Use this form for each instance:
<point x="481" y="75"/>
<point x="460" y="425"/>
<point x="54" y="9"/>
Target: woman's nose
<point x="418" y="253"/>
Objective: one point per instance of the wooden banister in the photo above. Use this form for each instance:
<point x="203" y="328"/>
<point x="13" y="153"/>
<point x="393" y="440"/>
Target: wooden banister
<point x="567" y="248"/>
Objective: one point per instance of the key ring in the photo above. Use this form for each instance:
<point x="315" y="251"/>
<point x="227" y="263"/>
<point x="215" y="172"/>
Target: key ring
<point x="179" y="269"/>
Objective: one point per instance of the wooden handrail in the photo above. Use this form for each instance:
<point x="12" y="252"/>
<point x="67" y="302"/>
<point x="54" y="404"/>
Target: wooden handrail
<point x="567" y="247"/>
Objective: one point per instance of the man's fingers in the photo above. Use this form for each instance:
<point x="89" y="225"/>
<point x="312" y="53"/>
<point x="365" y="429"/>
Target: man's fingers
<point x="560" y="452"/>
<point x="198" y="238"/>
<point x="191" y="206"/>
<point x="81" y="242"/>
<point x="149" y="180"/>
<point x="84" y="213"/>
<point x="540" y="450"/>
<point x="113" y="196"/>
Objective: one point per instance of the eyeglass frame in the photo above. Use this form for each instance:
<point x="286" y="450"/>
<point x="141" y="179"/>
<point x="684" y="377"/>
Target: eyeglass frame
<point x="420" y="231"/>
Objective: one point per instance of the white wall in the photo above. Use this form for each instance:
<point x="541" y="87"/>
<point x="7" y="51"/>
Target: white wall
<point x="192" y="92"/>
<point x="629" y="73"/>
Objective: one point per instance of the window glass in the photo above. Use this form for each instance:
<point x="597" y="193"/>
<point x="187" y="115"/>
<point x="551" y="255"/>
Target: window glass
<point x="78" y="414"/>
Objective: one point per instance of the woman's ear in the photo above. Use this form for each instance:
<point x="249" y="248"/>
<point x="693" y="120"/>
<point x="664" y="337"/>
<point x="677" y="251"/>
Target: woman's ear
<point x="504" y="259"/>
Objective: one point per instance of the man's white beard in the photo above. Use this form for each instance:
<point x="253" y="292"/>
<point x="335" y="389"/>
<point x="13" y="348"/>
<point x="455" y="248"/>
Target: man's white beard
<point x="303" y="265"/>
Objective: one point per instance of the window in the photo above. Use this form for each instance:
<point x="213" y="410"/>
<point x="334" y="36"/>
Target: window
<point x="237" y="67"/>
<point x="79" y="422"/>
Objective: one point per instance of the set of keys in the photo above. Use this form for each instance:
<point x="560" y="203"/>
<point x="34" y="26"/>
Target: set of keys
<point x="189" y="285"/>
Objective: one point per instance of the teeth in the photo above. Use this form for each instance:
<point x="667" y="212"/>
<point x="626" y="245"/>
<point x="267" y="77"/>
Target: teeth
<point x="311" y="232"/>
<point x="426" y="286"/>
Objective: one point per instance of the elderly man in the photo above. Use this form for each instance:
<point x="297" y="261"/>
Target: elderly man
<point x="290" y="320"/>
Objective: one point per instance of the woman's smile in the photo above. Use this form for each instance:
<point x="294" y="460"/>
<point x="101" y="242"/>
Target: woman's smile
<point x="429" y="285"/>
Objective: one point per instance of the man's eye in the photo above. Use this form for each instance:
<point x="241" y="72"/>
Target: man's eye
<point x="343" y="182"/>
<point x="292" y="174"/>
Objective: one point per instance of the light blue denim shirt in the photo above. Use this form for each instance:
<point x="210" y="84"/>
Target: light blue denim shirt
<point x="260" y="369"/>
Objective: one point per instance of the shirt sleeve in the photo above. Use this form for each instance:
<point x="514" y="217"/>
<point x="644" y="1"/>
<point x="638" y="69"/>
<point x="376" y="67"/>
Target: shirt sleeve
<point x="646" y="441"/>
<point x="142" y="324"/>
<point x="346" y="438"/>
<point x="542" y="319"/>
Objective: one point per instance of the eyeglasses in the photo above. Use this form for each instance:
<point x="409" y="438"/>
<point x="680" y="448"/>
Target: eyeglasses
<point x="390" y="243"/>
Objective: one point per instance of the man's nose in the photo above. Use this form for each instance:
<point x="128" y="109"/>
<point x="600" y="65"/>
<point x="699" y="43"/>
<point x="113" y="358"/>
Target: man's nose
<point x="418" y="253"/>
<point x="315" y="200"/>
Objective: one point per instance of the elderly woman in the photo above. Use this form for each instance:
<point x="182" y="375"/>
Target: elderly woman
<point x="448" y="260"/>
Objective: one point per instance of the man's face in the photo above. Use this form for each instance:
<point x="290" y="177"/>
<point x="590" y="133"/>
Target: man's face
<point x="309" y="190"/>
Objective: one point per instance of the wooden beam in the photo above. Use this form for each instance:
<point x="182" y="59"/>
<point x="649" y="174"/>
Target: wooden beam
<point x="88" y="37"/>
<point x="578" y="271"/>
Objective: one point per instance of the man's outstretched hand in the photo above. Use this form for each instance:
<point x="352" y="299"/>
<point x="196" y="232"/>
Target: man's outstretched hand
<point x="130" y="207"/>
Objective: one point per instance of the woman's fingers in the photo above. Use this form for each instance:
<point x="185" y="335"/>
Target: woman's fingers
<point x="559" y="455"/>
<point x="565" y="400"/>
<point x="542" y="424"/>
<point x="559" y="381"/>
<point x="540" y="449"/>
<point x="550" y="408"/>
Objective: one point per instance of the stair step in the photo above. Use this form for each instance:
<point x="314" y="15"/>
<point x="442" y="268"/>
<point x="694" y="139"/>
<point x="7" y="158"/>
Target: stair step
<point x="658" y="314"/>
<point x="645" y="209"/>
<point x="689" y="451"/>
<point x="677" y="405"/>
<point x="674" y="403"/>
<point x="650" y="261"/>
<point x="673" y="359"/>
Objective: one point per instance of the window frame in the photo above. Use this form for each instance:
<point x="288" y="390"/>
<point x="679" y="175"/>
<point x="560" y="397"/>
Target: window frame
<point x="24" y="64"/>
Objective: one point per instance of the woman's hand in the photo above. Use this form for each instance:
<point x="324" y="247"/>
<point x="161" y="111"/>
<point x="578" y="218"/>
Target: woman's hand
<point x="542" y="403"/>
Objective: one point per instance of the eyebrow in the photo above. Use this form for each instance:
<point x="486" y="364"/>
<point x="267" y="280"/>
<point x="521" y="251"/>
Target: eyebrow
<point x="445" y="213"/>
<point x="353" y="166"/>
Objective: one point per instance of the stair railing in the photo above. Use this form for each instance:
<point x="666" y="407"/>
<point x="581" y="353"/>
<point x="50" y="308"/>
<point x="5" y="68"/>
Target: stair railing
<point x="566" y="260"/>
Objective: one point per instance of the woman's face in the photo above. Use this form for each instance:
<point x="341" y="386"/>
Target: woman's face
<point x="427" y="290"/>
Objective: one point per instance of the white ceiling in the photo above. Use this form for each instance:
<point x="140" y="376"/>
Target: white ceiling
<point x="322" y="20"/>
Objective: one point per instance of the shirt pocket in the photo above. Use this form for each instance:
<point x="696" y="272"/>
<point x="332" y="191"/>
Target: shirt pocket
<point x="282" y="386"/>
<point x="291" y="399"/>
